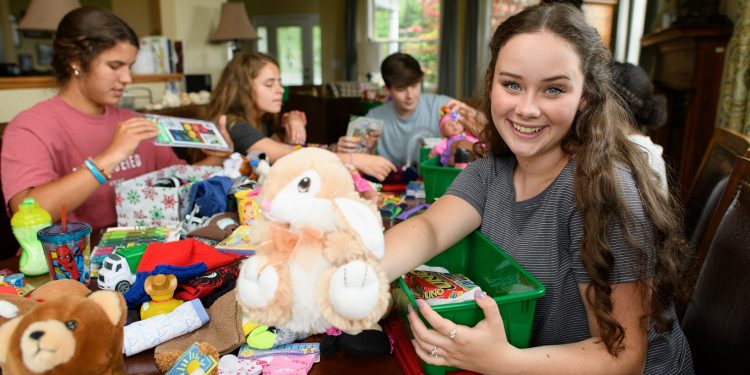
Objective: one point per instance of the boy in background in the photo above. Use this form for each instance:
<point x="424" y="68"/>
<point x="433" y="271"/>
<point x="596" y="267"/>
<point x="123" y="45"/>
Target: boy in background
<point x="410" y="113"/>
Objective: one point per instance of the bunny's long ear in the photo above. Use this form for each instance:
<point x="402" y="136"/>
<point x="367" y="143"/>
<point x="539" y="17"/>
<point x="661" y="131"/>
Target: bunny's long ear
<point x="365" y="223"/>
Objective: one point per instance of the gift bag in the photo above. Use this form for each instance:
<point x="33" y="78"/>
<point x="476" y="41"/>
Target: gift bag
<point x="140" y="203"/>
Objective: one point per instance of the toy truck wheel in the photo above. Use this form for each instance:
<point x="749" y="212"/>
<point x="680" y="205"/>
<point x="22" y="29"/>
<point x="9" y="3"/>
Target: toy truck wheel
<point x="122" y="286"/>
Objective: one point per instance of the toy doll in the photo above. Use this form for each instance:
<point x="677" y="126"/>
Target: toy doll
<point x="452" y="131"/>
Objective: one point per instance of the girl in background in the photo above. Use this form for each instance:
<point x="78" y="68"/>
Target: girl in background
<point x="648" y="111"/>
<point x="71" y="149"/>
<point x="249" y="92"/>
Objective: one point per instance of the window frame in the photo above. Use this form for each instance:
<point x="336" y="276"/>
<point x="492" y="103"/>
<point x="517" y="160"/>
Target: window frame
<point x="394" y="44"/>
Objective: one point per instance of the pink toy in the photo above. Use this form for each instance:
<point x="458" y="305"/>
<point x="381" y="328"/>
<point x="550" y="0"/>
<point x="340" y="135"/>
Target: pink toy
<point x="452" y="131"/>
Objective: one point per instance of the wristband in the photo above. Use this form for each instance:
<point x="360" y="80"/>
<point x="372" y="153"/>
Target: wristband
<point x="98" y="175"/>
<point x="104" y="172"/>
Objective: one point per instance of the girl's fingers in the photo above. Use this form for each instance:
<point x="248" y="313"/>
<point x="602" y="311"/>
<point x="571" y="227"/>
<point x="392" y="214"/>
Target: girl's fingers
<point x="430" y="336"/>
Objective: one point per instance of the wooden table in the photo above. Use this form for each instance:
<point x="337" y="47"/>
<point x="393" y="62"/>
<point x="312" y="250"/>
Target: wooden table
<point x="143" y="363"/>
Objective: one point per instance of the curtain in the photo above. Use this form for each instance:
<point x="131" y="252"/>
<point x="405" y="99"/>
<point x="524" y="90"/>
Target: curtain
<point x="447" y="58"/>
<point x="350" y="43"/>
<point x="471" y="52"/>
<point x="734" y="101"/>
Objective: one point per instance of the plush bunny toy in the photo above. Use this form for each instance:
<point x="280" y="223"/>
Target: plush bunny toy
<point x="317" y="250"/>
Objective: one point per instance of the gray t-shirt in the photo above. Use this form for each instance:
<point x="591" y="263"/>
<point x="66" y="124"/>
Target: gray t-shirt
<point x="244" y="135"/>
<point x="544" y="234"/>
<point x="398" y="133"/>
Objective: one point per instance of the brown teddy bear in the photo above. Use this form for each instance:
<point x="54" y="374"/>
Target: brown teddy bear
<point x="63" y="334"/>
<point x="13" y="305"/>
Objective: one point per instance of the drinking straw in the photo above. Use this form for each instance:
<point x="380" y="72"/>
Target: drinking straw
<point x="63" y="218"/>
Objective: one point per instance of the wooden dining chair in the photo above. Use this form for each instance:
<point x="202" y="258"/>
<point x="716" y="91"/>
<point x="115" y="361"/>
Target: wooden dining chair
<point x="722" y="152"/>
<point x="717" y="320"/>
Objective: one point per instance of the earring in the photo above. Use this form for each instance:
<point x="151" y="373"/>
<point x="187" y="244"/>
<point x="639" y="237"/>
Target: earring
<point x="76" y="72"/>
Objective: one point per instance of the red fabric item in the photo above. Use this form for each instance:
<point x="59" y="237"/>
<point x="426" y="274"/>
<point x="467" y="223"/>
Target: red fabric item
<point x="184" y="253"/>
<point x="393" y="187"/>
<point x="410" y="363"/>
<point x="206" y="284"/>
<point x="8" y="289"/>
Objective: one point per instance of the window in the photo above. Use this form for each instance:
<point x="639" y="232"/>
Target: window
<point x="295" y="42"/>
<point x="408" y="26"/>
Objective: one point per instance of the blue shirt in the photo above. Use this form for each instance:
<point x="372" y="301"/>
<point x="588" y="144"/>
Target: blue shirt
<point x="400" y="136"/>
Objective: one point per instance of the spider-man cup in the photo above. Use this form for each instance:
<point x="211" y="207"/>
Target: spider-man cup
<point x="67" y="251"/>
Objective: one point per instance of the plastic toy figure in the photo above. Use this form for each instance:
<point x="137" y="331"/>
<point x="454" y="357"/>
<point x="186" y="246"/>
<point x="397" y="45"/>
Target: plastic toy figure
<point x="452" y="131"/>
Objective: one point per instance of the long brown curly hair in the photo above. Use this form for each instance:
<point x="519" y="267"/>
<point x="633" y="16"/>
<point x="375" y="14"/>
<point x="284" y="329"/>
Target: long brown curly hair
<point x="598" y="142"/>
<point x="233" y="95"/>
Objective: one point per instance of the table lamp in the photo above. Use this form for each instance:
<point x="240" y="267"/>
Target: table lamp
<point x="234" y="26"/>
<point x="45" y="15"/>
<point x="368" y="59"/>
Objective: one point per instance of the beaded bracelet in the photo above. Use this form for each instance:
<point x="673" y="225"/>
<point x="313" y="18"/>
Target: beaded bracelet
<point x="106" y="174"/>
<point x="92" y="168"/>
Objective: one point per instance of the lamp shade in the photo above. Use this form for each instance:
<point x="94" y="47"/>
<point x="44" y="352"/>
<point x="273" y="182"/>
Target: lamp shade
<point x="45" y="15"/>
<point x="368" y="56"/>
<point x="234" y="24"/>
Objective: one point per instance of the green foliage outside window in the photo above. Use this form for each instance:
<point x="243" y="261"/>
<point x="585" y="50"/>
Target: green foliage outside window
<point x="413" y="30"/>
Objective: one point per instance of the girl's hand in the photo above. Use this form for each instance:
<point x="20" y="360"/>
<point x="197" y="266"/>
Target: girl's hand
<point x="472" y="120"/>
<point x="483" y="348"/>
<point x="128" y="135"/>
<point x="218" y="154"/>
<point x="294" y="123"/>
<point x="372" y="165"/>
<point x="347" y="144"/>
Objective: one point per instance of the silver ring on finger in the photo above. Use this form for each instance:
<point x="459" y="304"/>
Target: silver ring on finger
<point x="433" y="353"/>
<point x="452" y="334"/>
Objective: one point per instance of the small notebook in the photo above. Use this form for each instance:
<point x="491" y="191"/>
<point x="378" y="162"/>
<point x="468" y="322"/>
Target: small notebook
<point x="238" y="242"/>
<point x="191" y="360"/>
<point x="183" y="132"/>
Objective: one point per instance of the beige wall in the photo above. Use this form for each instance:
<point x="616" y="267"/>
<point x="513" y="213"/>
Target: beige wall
<point x="141" y="15"/>
<point x="192" y="22"/>
<point x="15" y="101"/>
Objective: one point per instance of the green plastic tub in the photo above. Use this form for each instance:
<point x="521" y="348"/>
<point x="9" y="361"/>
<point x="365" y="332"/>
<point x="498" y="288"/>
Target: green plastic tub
<point x="437" y="178"/>
<point x="514" y="290"/>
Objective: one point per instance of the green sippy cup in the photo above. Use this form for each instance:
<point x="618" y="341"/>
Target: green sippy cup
<point x="29" y="219"/>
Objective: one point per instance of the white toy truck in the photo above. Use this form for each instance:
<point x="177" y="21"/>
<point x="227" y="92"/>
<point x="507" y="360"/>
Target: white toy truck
<point x="119" y="268"/>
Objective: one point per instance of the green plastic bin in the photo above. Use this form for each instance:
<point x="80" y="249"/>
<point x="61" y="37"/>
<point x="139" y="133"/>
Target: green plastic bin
<point x="514" y="290"/>
<point x="437" y="178"/>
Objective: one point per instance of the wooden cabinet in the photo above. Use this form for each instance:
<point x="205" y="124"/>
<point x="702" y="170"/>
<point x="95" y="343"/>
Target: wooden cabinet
<point x="327" y="117"/>
<point x="687" y="68"/>
<point x="601" y="14"/>
<point x="187" y="111"/>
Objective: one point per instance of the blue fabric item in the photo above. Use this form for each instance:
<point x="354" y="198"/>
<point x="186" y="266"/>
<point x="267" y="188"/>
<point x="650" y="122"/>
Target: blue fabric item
<point x="136" y="295"/>
<point x="210" y="195"/>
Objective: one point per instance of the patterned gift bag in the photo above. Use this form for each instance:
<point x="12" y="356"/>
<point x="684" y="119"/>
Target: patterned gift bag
<point x="140" y="203"/>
